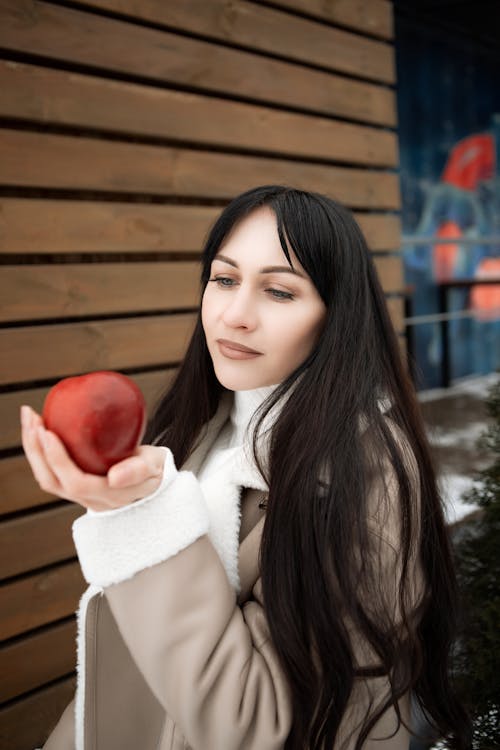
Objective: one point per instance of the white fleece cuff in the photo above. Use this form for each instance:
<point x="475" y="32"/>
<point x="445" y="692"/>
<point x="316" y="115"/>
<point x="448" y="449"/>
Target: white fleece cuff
<point x="113" y="546"/>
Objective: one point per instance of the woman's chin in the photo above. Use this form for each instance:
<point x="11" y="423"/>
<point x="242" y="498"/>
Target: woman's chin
<point x="240" y="381"/>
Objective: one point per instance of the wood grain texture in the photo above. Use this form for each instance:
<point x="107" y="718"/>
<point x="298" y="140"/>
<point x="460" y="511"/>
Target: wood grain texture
<point x="54" y="351"/>
<point x="57" y="97"/>
<point x="390" y="271"/>
<point x="19" y="490"/>
<point x="82" y="226"/>
<point x="267" y="30"/>
<point x="37" y="659"/>
<point x="116" y="46"/>
<point x="56" y="161"/>
<point x="78" y="289"/>
<point x="396" y="310"/>
<point x="364" y="16"/>
<point x="26" y="723"/>
<point x="70" y="226"/>
<point x="382" y="231"/>
<point x="37" y="539"/>
<point x="40" y="598"/>
<point x="12" y="477"/>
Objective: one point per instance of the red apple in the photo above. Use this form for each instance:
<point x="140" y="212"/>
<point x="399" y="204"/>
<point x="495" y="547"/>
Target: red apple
<point x="100" y="417"/>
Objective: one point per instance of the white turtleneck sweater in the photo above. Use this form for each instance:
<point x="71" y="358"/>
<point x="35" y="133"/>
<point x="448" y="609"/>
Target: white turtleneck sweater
<point x="233" y="435"/>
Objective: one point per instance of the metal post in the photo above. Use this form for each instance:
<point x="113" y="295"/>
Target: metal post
<point x="445" y="343"/>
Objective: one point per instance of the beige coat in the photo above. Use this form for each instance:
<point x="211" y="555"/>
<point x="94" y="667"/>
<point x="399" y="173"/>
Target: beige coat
<point x="176" y="656"/>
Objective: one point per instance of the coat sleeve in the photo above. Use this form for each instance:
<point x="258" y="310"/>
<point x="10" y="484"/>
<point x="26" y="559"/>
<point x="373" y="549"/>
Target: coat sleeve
<point x="208" y="661"/>
<point x="62" y="736"/>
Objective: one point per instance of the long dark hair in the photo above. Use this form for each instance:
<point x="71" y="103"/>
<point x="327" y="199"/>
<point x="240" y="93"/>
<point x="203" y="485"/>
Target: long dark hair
<point x="321" y="576"/>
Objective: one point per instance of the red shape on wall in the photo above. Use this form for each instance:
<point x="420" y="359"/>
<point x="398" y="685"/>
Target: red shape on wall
<point x="470" y="161"/>
<point x="485" y="300"/>
<point x="444" y="257"/>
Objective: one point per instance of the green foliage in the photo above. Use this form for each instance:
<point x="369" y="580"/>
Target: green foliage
<point x="477" y="554"/>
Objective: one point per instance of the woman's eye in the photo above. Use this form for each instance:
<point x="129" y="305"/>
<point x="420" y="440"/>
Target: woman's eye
<point x="226" y="283"/>
<point x="219" y="280"/>
<point x="278" y="294"/>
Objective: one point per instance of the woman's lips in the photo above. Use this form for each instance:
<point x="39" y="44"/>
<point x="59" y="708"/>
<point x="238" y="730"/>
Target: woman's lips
<point x="232" y="353"/>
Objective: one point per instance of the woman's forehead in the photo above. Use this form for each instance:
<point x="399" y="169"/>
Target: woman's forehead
<point x="255" y="239"/>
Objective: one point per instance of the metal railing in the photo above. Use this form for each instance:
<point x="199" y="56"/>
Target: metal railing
<point x="443" y="317"/>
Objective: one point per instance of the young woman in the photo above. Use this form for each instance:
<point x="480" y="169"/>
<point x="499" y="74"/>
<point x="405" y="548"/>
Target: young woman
<point x="271" y="570"/>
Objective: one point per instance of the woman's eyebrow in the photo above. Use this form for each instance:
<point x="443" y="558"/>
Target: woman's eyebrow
<point x="267" y="269"/>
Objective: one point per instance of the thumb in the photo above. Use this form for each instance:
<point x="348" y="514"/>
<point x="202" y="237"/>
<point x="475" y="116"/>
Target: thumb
<point x="147" y="462"/>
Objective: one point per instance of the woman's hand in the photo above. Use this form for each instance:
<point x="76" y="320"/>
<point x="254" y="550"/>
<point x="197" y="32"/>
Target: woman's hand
<point x="54" y="470"/>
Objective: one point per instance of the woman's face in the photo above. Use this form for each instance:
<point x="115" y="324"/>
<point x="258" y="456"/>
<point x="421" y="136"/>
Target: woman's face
<point x="255" y="300"/>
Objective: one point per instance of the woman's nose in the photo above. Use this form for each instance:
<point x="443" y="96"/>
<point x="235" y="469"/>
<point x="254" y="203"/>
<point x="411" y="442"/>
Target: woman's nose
<point x="240" y="310"/>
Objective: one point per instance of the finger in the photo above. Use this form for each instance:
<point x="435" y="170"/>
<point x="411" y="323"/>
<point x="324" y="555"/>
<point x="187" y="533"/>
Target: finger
<point x="131" y="471"/>
<point x="27" y="415"/>
<point x="45" y="477"/>
<point x="29" y="421"/>
<point x="146" y="464"/>
<point x="36" y="419"/>
<point x="89" y="490"/>
<point x="76" y="484"/>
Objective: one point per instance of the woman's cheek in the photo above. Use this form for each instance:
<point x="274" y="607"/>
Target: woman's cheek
<point x="206" y="311"/>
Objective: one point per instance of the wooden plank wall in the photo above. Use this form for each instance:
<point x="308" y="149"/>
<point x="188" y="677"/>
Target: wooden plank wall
<point x="125" y="127"/>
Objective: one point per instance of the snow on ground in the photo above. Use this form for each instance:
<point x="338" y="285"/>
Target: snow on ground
<point x="463" y="436"/>
<point x="468" y="435"/>
<point x="453" y="487"/>
<point x="477" y="385"/>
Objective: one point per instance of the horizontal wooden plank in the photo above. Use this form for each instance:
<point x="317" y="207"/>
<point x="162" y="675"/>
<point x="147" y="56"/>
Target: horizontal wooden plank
<point x="68" y="226"/>
<point x="18" y="492"/>
<point x="396" y="311"/>
<point x="26" y="723"/>
<point x="40" y="598"/>
<point x="154" y="384"/>
<point x="390" y="271"/>
<point x="38" y="539"/>
<point x="80" y="37"/>
<point x="382" y="231"/>
<point x="74" y="226"/>
<point x="369" y="16"/>
<point x="53" y="351"/>
<point x="59" y="291"/>
<point x="19" y="489"/>
<point x="56" y="161"/>
<point x="37" y="659"/>
<point x="267" y="30"/>
<point x="57" y="97"/>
